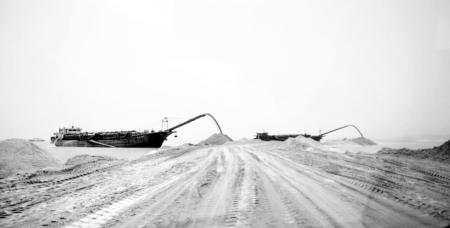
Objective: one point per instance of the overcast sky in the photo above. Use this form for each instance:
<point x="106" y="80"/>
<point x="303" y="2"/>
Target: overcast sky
<point x="279" y="66"/>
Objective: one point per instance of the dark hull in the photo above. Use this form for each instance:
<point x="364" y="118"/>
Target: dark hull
<point x="151" y="140"/>
<point x="267" y="137"/>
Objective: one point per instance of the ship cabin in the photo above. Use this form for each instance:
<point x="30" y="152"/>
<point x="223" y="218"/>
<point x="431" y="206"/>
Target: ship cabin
<point x="72" y="130"/>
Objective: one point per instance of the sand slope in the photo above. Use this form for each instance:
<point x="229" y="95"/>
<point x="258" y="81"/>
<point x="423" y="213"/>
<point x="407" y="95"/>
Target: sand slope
<point x="85" y="158"/>
<point x="20" y="155"/>
<point x="363" y="141"/>
<point x="216" y="139"/>
<point x="440" y="153"/>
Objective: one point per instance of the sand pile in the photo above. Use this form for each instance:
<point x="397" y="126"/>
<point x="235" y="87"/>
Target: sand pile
<point x="444" y="149"/>
<point x="356" y="145"/>
<point x="305" y="143"/>
<point x="216" y="139"/>
<point x="363" y="141"/>
<point x="20" y="155"/>
<point x="440" y="153"/>
<point x="84" y="158"/>
<point x="84" y="162"/>
<point x="245" y="140"/>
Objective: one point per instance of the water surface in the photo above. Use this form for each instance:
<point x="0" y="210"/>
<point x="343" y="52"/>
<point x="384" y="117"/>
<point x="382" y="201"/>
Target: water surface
<point x="64" y="153"/>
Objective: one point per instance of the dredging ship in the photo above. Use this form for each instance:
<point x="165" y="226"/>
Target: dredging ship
<point x="75" y="137"/>
<point x="266" y="137"/>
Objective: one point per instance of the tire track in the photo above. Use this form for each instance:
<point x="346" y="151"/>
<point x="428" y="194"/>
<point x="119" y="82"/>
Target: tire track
<point x="153" y="199"/>
<point x="261" y="209"/>
<point x="177" y="212"/>
<point x="234" y="185"/>
<point x="369" y="189"/>
<point x="233" y="215"/>
<point x="292" y="214"/>
<point x="103" y="215"/>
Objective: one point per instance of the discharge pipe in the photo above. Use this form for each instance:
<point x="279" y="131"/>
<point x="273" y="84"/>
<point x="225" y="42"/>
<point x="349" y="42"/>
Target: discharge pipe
<point x="193" y="119"/>
<point x="349" y="125"/>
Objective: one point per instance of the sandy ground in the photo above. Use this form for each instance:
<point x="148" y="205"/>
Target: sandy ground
<point x="242" y="184"/>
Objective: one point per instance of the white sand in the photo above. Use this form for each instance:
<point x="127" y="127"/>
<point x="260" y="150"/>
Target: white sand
<point x="298" y="183"/>
<point x="20" y="155"/>
<point x="216" y="139"/>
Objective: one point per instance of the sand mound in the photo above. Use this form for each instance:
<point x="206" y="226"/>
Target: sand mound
<point x="357" y="145"/>
<point x="440" y="153"/>
<point x="216" y="139"/>
<point x="81" y="163"/>
<point x="363" y="141"/>
<point x="301" y="142"/>
<point x="245" y="140"/>
<point x="20" y="155"/>
<point x="84" y="158"/>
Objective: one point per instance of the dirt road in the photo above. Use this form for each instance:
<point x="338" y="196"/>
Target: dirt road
<point x="246" y="184"/>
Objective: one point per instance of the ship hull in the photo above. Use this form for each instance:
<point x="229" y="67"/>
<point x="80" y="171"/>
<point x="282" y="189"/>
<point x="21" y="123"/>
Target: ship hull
<point x="149" y="140"/>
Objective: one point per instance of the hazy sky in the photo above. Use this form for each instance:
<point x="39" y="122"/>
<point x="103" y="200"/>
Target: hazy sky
<point x="279" y="66"/>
